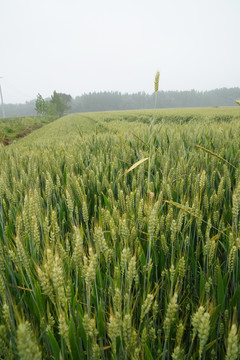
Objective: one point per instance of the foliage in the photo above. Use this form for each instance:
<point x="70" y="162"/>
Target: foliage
<point x="91" y="267"/>
<point x="59" y="102"/>
<point x="40" y="105"/>
<point x="57" y="106"/>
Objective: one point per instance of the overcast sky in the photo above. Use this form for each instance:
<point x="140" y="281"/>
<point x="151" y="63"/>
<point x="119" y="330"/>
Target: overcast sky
<point x="81" y="46"/>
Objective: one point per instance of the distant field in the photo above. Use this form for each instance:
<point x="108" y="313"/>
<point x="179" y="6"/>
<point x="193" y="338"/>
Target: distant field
<point x="119" y="237"/>
<point x="74" y="125"/>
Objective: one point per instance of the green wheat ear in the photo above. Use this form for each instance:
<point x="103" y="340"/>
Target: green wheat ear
<point x="156" y="83"/>
<point x="238" y="102"/>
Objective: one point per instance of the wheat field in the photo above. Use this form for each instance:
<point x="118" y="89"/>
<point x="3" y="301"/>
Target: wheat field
<point x="119" y="237"/>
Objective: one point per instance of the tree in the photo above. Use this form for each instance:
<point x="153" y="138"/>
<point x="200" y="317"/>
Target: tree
<point x="65" y="98"/>
<point x="40" y="105"/>
<point x="60" y="101"/>
<point x="51" y="109"/>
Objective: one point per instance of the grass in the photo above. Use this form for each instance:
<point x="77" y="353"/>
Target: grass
<point x="93" y="267"/>
<point x="14" y="128"/>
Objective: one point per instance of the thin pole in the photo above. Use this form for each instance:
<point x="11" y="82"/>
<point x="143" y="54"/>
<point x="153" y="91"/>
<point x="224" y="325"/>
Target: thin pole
<point x="3" y="112"/>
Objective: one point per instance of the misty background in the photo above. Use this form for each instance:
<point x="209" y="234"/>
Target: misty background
<point x="105" y="53"/>
<point x="105" y="101"/>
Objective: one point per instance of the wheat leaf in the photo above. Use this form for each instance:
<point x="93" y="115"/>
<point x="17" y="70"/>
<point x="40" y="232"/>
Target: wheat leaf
<point x="216" y="155"/>
<point x="135" y="165"/>
<point x="140" y="139"/>
<point x="179" y="206"/>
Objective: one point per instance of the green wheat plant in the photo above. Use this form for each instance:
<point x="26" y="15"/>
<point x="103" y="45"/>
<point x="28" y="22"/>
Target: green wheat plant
<point x="102" y="257"/>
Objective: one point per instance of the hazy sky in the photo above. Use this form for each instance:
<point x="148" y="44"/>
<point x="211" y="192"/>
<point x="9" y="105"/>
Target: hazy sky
<point x="81" y="46"/>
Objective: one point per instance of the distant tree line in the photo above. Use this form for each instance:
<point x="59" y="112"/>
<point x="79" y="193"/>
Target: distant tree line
<point x="101" y="101"/>
<point x="60" y="103"/>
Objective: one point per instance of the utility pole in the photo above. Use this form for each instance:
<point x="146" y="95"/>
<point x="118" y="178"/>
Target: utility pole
<point x="3" y="112"/>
